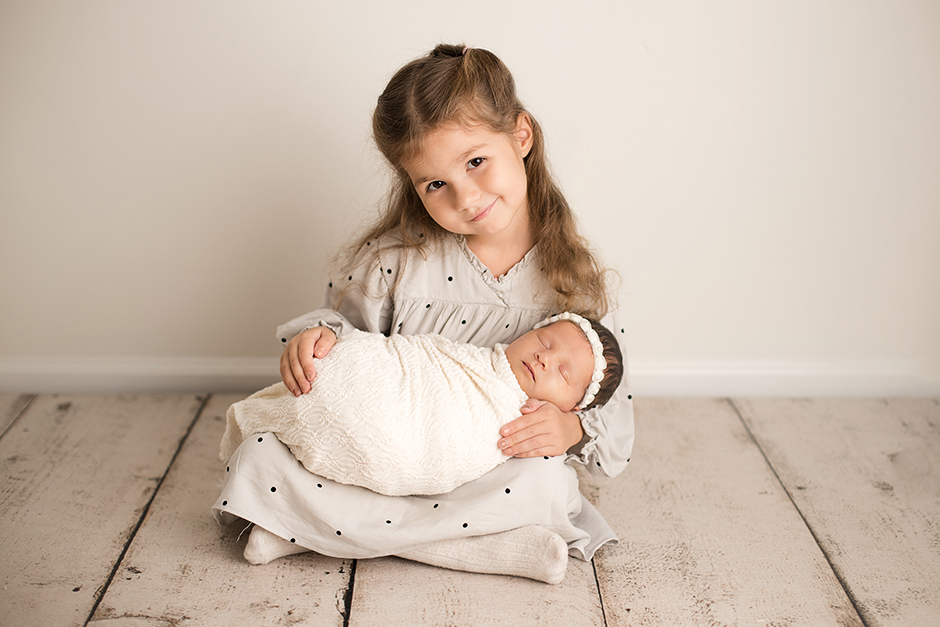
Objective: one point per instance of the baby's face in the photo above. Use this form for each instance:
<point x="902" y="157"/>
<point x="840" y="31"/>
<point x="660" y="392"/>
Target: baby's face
<point x="553" y="363"/>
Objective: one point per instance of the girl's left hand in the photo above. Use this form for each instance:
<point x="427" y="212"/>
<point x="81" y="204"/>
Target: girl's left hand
<point x="541" y="430"/>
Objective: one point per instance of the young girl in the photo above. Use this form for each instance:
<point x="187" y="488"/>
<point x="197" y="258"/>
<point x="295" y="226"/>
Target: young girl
<point x="477" y="244"/>
<point x="416" y="414"/>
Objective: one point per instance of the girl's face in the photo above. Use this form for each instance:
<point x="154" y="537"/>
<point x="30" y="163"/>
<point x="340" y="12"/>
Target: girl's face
<point x="472" y="181"/>
<point x="554" y="363"/>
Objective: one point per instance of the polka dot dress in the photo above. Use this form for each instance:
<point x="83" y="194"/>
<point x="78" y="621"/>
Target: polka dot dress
<point x="452" y="293"/>
<point x="347" y="521"/>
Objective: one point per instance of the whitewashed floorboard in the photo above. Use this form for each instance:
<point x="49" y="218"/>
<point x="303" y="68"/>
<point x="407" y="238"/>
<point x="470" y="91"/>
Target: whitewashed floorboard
<point x="707" y="534"/>
<point x="11" y="406"/>
<point x="77" y="473"/>
<point x="394" y="592"/>
<point x="184" y="569"/>
<point x="866" y="476"/>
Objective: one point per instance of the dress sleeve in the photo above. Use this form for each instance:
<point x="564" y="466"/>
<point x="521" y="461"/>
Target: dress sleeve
<point x="608" y="430"/>
<point x="357" y="298"/>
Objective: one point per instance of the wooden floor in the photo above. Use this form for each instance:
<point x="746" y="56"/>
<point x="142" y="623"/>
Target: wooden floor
<point x="733" y="512"/>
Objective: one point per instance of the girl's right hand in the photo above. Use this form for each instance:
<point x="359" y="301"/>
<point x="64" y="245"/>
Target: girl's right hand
<point x="297" y="369"/>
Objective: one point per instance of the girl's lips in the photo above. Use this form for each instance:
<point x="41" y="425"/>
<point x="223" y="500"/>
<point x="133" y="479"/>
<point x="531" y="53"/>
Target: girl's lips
<point x="483" y="213"/>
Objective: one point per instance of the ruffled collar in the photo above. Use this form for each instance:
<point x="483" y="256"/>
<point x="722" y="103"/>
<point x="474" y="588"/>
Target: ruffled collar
<point x="480" y="267"/>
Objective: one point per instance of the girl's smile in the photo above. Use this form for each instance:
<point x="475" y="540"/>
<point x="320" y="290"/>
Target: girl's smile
<point x="484" y="213"/>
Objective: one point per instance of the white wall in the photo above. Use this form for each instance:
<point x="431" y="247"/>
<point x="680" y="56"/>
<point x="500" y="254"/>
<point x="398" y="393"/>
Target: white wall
<point x="175" y="175"/>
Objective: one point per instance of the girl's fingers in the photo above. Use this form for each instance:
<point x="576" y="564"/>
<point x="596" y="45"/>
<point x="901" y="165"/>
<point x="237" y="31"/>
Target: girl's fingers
<point x="303" y="384"/>
<point x="297" y="367"/>
<point x="305" y="350"/>
<point x="527" y="442"/>
<point x="324" y="344"/>
<point x="287" y="374"/>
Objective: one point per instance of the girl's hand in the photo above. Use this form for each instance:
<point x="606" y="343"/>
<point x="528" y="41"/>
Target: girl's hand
<point x="297" y="369"/>
<point x="541" y="430"/>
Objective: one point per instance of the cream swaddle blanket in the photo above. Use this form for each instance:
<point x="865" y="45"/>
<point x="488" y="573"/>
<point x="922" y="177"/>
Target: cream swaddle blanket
<point x="399" y="415"/>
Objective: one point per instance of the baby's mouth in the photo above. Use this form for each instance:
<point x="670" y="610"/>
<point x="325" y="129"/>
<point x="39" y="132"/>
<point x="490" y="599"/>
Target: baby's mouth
<point x="529" y="369"/>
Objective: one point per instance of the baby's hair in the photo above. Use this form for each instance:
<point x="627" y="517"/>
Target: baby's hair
<point x="613" y="373"/>
<point x="471" y="86"/>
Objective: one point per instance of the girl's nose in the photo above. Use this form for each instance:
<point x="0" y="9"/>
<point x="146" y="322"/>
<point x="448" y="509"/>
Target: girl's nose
<point x="467" y="194"/>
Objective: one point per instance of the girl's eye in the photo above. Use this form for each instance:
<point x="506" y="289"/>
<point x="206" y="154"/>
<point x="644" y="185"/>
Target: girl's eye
<point x="435" y="185"/>
<point x="475" y="162"/>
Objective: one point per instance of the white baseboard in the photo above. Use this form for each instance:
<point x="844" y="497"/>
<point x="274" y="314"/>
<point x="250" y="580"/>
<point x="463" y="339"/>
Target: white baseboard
<point x="858" y="379"/>
<point x="246" y="374"/>
<point x="128" y="375"/>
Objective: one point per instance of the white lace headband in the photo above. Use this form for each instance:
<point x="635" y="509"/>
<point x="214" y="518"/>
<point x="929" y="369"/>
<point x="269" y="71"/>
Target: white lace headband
<point x="600" y="364"/>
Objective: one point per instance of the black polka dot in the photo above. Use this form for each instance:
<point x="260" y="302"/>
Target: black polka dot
<point x="435" y="505"/>
<point x="388" y="522"/>
<point x="546" y="457"/>
<point x="508" y="490"/>
<point x="338" y="532"/>
<point x="428" y="306"/>
<point x="226" y="469"/>
<point x="598" y="463"/>
<point x="507" y="326"/>
<point x="319" y="485"/>
<point x="630" y="397"/>
<point x="628" y="460"/>
<point x="350" y="277"/>
<point x="273" y="489"/>
<point x="293" y="540"/>
<point x="331" y="283"/>
<point x="389" y="270"/>
<point x="224" y="503"/>
<point x="465" y="525"/>
<point x="368" y="243"/>
<point x="450" y="278"/>
<point x="284" y="339"/>
<point x="622" y="331"/>
<point x="463" y="322"/>
<point x="260" y="439"/>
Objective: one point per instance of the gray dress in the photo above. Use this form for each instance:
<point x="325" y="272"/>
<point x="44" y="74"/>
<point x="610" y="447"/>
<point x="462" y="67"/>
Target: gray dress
<point x="451" y="293"/>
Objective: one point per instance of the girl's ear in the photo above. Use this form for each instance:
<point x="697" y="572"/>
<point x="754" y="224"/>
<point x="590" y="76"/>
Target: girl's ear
<point x="523" y="134"/>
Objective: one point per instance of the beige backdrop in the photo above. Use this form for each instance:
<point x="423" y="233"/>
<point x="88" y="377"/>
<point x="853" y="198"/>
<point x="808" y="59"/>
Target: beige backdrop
<point x="175" y="175"/>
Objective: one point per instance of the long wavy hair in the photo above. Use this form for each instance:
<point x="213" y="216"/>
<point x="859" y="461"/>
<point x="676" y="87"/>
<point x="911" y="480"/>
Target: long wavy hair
<point x="472" y="86"/>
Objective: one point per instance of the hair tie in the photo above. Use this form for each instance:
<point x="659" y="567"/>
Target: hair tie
<point x="465" y="49"/>
<point x="600" y="364"/>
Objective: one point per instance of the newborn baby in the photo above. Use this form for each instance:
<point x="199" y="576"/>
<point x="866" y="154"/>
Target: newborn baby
<point x="421" y="414"/>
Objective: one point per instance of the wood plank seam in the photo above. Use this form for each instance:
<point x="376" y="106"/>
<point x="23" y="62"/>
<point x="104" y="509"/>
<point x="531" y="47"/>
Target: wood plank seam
<point x="22" y="412"/>
<point x="100" y="593"/>
<point x="600" y="593"/>
<point x="348" y="596"/>
<point x="835" y="571"/>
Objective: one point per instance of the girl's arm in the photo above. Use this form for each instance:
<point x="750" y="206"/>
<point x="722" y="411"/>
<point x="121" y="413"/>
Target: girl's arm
<point x="608" y="430"/>
<point x="359" y="298"/>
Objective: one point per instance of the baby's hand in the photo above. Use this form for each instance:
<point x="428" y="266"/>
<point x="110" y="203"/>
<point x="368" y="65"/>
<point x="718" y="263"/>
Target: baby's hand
<point x="541" y="430"/>
<point x="297" y="369"/>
